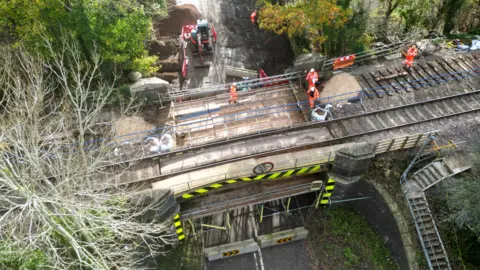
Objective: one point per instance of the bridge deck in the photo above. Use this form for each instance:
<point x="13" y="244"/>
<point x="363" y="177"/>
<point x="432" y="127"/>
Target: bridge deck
<point x="192" y="180"/>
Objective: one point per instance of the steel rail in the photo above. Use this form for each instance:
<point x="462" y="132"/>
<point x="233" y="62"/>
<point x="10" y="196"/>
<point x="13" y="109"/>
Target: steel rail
<point x="327" y="142"/>
<point x="298" y="127"/>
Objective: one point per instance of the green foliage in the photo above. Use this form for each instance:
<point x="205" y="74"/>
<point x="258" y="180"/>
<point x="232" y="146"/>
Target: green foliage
<point x="351" y="38"/>
<point x="118" y="29"/>
<point x="14" y="258"/>
<point x="304" y="18"/>
<point x="344" y="240"/>
<point x="449" y="11"/>
<point x="462" y="199"/>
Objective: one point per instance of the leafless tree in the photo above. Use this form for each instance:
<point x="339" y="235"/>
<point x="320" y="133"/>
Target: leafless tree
<point x="47" y="200"/>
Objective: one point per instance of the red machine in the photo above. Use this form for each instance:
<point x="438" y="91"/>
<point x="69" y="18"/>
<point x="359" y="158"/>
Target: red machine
<point x="200" y="41"/>
<point x="262" y="75"/>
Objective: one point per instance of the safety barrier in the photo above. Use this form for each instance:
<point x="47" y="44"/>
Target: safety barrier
<point x="282" y="237"/>
<point x="232" y="249"/>
<point x="343" y="62"/>
<point x="178" y="227"/>
<point x="325" y="199"/>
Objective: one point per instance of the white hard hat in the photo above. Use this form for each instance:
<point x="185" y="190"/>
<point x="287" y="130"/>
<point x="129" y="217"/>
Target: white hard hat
<point x="312" y="70"/>
<point x="234" y="84"/>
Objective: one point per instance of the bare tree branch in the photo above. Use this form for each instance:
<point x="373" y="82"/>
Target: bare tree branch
<point x="49" y="180"/>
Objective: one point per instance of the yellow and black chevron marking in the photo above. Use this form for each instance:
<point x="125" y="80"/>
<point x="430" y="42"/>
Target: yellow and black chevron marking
<point x="328" y="192"/>
<point x="231" y="253"/>
<point x="284" y="240"/>
<point x="267" y="176"/>
<point x="178" y="227"/>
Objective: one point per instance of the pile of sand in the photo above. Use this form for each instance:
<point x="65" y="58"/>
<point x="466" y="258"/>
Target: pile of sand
<point x="177" y="17"/>
<point x="340" y="84"/>
<point x="129" y="125"/>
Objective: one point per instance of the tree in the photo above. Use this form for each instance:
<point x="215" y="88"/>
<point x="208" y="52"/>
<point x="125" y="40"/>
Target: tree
<point x="304" y="18"/>
<point x="55" y="196"/>
<point x="352" y="37"/>
<point x="390" y="7"/>
<point x="118" y="28"/>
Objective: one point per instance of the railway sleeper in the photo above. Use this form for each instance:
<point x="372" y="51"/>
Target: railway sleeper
<point x="445" y="78"/>
<point x="401" y="80"/>
<point x="412" y="83"/>
<point x="450" y="71"/>
<point x="387" y="89"/>
<point x="430" y="74"/>
<point x="424" y="79"/>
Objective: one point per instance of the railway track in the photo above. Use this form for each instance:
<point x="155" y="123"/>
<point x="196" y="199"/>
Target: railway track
<point x="406" y="115"/>
<point x="429" y="74"/>
<point x="368" y="123"/>
<point x="470" y="69"/>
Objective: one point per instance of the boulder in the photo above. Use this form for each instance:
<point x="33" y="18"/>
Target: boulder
<point x="134" y="76"/>
<point x="149" y="89"/>
<point x="308" y="61"/>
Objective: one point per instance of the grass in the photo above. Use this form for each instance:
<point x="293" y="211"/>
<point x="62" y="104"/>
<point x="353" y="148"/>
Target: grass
<point x="344" y="240"/>
<point x="186" y="256"/>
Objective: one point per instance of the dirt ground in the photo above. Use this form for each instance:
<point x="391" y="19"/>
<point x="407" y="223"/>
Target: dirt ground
<point x="129" y="125"/>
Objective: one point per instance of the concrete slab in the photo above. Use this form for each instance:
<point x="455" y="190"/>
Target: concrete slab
<point x="254" y="146"/>
<point x="457" y="163"/>
<point x="282" y="237"/>
<point x="230" y="250"/>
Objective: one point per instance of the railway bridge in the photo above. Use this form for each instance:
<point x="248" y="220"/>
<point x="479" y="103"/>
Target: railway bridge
<point x="245" y="176"/>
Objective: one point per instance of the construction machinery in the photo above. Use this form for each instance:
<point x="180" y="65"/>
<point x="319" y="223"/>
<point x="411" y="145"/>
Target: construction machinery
<point x="201" y="39"/>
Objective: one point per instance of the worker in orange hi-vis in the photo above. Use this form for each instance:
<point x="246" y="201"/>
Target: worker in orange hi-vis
<point x="253" y="17"/>
<point x="312" y="77"/>
<point x="313" y="94"/>
<point x="233" y="94"/>
<point x="411" y="53"/>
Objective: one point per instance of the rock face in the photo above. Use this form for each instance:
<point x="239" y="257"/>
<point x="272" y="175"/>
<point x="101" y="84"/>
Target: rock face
<point x="171" y="64"/>
<point x="177" y="17"/>
<point x="164" y="48"/>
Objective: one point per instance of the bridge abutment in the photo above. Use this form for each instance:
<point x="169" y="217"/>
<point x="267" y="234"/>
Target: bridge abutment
<point x="352" y="162"/>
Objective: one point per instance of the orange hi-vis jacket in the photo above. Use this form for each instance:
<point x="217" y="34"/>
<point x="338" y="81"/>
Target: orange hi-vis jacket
<point x="253" y="16"/>
<point x="233" y="92"/>
<point x="312" y="96"/>
<point x="411" y="53"/>
<point x="311" y="78"/>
